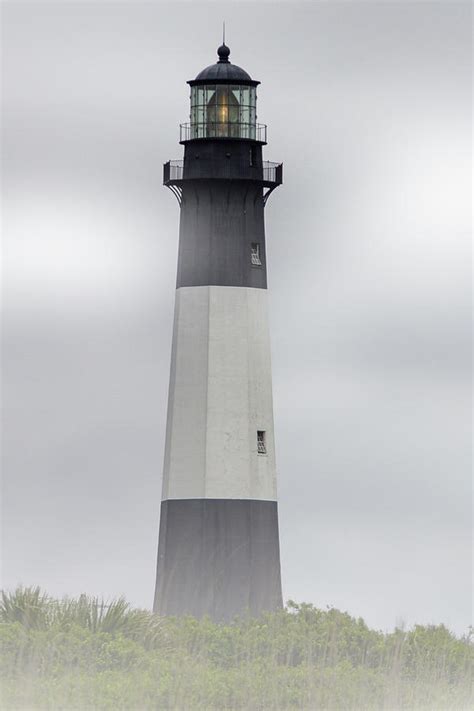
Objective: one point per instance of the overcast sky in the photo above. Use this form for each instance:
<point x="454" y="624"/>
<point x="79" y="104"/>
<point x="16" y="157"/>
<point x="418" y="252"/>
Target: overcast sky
<point x="368" y="106"/>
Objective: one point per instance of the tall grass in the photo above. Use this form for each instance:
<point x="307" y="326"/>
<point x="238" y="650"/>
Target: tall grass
<point x="86" y="654"/>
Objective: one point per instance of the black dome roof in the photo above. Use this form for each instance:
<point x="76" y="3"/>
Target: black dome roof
<point x="224" y="71"/>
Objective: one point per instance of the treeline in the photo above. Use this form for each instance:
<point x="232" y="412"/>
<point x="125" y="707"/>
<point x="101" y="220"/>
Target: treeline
<point x="85" y="654"/>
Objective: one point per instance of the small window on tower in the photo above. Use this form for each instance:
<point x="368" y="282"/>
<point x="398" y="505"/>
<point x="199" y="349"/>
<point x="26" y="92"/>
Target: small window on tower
<point x="256" y="261"/>
<point x="261" y="442"/>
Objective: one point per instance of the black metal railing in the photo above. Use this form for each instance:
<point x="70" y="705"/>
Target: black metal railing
<point x="209" y="129"/>
<point x="272" y="172"/>
<point x="268" y="172"/>
<point x="173" y="170"/>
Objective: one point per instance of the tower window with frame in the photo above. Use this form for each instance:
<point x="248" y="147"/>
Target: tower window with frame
<point x="255" y="255"/>
<point x="261" y="442"/>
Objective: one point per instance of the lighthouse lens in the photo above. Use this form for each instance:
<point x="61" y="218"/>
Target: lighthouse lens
<point x="223" y="111"/>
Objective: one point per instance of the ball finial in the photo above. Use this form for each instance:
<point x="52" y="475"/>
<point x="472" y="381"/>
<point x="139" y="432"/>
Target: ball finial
<point x="223" y="53"/>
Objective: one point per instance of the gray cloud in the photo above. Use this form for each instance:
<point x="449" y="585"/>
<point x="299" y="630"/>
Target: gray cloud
<point x="368" y="105"/>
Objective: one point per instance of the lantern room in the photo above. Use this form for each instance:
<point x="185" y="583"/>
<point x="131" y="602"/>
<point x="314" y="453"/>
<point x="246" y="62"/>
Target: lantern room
<point x="223" y="103"/>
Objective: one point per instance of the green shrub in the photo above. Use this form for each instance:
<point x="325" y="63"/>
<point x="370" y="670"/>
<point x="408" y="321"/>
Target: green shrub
<point x="86" y="654"/>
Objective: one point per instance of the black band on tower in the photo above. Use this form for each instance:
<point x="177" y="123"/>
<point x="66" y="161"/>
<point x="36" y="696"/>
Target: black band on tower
<point x="222" y="232"/>
<point x="218" y="557"/>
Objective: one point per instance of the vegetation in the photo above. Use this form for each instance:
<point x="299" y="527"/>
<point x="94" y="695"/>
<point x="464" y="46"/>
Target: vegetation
<point x="85" y="654"/>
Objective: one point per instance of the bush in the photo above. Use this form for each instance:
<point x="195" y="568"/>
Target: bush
<point x="86" y="654"/>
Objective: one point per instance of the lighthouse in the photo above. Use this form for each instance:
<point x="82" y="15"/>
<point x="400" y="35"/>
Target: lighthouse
<point x="218" y="550"/>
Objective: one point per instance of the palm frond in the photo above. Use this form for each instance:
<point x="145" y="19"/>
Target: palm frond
<point x="27" y="605"/>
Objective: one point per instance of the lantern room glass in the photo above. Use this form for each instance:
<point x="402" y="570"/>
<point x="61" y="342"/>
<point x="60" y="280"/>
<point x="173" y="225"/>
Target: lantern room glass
<point x="223" y="111"/>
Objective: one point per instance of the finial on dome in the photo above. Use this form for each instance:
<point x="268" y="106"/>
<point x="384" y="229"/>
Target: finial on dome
<point x="223" y="53"/>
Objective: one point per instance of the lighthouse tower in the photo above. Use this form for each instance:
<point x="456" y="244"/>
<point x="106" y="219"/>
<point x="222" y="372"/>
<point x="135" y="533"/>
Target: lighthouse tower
<point x="218" y="550"/>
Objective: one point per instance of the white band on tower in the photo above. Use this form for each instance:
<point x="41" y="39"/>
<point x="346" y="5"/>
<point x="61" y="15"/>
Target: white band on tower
<point x="220" y="397"/>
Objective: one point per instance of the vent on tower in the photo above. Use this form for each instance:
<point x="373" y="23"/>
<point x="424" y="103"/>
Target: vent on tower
<point x="256" y="261"/>
<point x="261" y="443"/>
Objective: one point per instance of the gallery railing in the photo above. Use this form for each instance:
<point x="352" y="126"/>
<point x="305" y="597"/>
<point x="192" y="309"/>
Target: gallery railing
<point x="208" y="129"/>
<point x="268" y="172"/>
